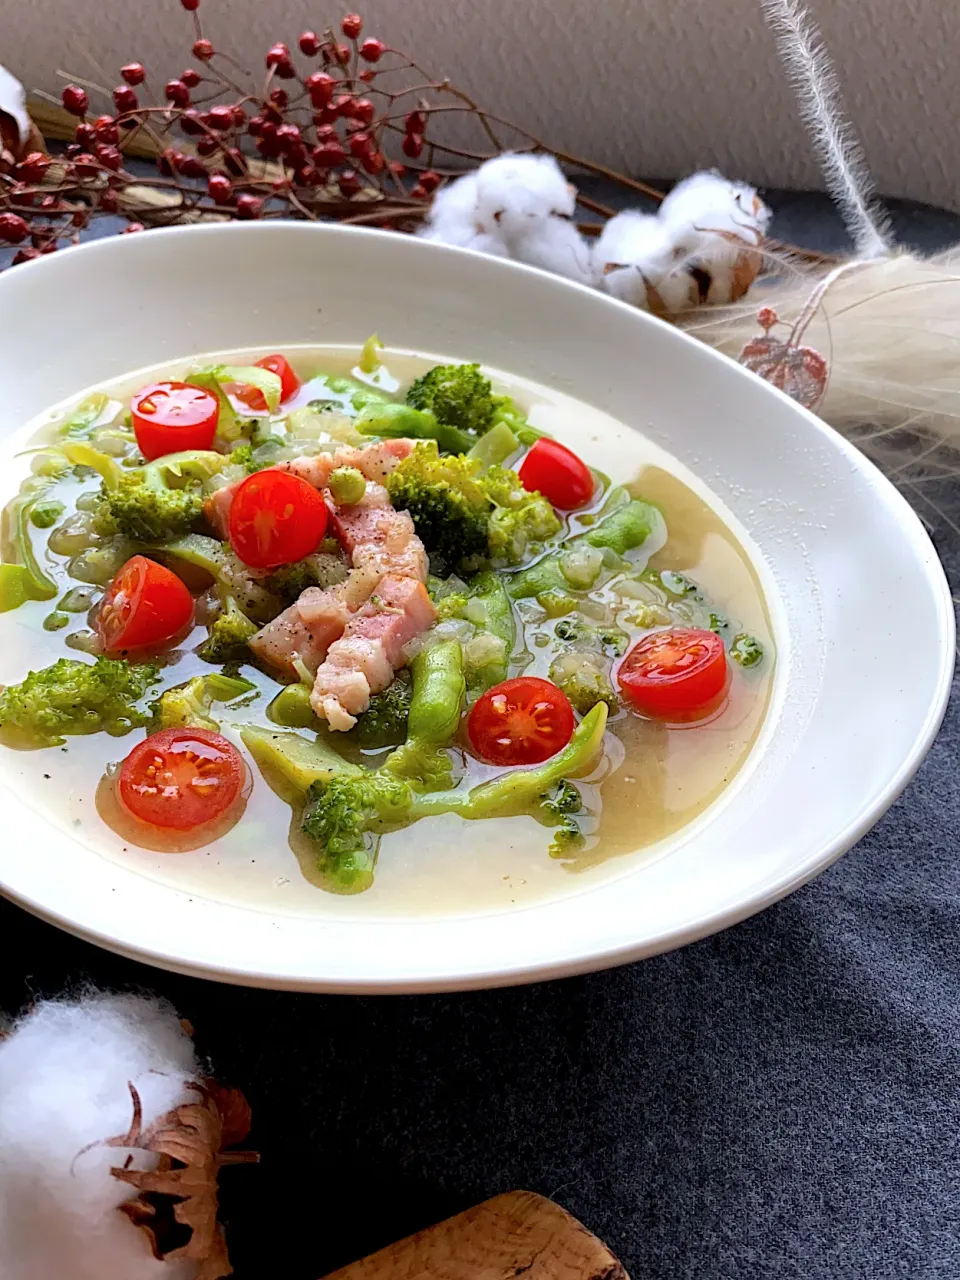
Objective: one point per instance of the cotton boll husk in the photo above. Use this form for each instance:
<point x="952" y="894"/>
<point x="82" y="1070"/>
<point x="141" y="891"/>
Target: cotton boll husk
<point x="889" y="329"/>
<point x="556" y="245"/>
<point x="64" y="1073"/>
<point x="514" y="189"/>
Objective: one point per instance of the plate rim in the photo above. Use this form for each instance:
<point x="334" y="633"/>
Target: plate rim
<point x="602" y="958"/>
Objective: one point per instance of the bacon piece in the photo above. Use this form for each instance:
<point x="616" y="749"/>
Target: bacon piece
<point x="364" y="659"/>
<point x="373" y="533"/>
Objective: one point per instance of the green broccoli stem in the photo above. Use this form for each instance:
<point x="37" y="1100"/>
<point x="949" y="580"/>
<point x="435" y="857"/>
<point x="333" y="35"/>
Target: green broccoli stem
<point x="521" y="789"/>
<point x="291" y="764"/>
<point x="624" y="529"/>
<point x="400" y="421"/>
<point x="438" y="692"/>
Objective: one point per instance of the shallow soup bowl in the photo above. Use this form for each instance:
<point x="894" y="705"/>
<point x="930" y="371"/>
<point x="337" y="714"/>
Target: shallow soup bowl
<point x="851" y="582"/>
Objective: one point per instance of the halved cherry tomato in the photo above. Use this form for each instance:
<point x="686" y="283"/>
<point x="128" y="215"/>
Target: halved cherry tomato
<point x="276" y="518"/>
<point x="181" y="778"/>
<point x="145" y="604"/>
<point x="677" y="674"/>
<point x="170" y="416"/>
<point x="521" y="721"/>
<point x="289" y="383"/>
<point x="558" y="474"/>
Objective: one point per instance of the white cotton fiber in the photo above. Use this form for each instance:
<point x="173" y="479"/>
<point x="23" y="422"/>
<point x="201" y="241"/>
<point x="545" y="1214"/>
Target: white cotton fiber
<point x="633" y="249"/>
<point x="555" y="244"/>
<point x="515" y="190"/>
<point x="64" y="1073"/>
<point x="699" y="247"/>
<point x="453" y="219"/>
<point x="710" y="202"/>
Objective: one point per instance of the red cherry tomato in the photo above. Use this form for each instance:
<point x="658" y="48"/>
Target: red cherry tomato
<point x="289" y="383"/>
<point x="678" y="674"/>
<point x="276" y="518"/>
<point x="170" y="416"/>
<point x="521" y="721"/>
<point x="558" y="474"/>
<point x="145" y="604"/>
<point x="181" y="778"/>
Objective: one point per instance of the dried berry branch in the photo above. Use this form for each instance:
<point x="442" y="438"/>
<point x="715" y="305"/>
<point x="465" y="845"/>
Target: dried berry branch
<point x="346" y="128"/>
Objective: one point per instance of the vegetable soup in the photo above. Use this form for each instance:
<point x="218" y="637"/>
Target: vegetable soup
<point x="364" y="623"/>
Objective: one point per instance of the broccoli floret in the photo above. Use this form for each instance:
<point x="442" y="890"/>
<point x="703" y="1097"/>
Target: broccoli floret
<point x="344" y="817"/>
<point x="155" y="503"/>
<point x="521" y="516"/>
<point x="577" y="631"/>
<point x="457" y="394"/>
<point x="746" y="650"/>
<point x="448" y="503"/>
<point x="73" y="697"/>
<point x="228" y="636"/>
<point x="574" y="630"/>
<point x="562" y="798"/>
<point x="558" y="805"/>
<point x="188" y="705"/>
<point x="459" y="513"/>
<point x="579" y="676"/>
<point x="347" y="810"/>
<point x="384" y="723"/>
<point x="291" y="580"/>
<point x="452" y="606"/>
<point x="567" y="839"/>
<point x="242" y="456"/>
<point x="613" y="640"/>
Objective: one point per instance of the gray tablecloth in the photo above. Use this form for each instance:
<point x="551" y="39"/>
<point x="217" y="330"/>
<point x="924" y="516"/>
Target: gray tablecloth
<point x="780" y="1100"/>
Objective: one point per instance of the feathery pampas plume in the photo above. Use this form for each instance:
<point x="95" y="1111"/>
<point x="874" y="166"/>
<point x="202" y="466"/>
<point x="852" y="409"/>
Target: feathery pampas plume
<point x="815" y="83"/>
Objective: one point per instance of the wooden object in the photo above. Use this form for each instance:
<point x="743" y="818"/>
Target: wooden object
<point x="517" y="1234"/>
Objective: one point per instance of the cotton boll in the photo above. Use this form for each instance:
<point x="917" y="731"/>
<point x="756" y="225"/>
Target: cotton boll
<point x="636" y="257"/>
<point x="453" y="220"/>
<point x="513" y="190"/>
<point x="709" y="201"/>
<point x="556" y="245"/>
<point x="64" y="1073"/>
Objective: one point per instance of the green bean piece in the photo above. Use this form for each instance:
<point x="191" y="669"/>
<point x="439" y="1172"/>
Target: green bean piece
<point x="438" y="692"/>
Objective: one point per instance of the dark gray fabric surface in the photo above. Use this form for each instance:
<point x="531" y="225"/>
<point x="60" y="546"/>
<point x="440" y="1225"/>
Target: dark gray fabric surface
<point x="781" y="1100"/>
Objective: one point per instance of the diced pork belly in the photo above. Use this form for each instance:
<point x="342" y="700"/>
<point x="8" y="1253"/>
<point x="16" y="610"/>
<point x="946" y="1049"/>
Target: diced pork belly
<point x="374" y="461"/>
<point x="216" y="508"/>
<point x="363" y="661"/>
<point x="304" y="632"/>
<point x="373" y="533"/>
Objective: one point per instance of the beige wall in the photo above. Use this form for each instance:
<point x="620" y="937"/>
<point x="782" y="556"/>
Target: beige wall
<point x="657" y="86"/>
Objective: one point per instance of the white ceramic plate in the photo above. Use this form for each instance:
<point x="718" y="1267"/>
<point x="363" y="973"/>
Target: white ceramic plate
<point x="861" y="611"/>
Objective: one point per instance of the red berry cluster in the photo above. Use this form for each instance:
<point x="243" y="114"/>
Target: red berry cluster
<point x="339" y="125"/>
